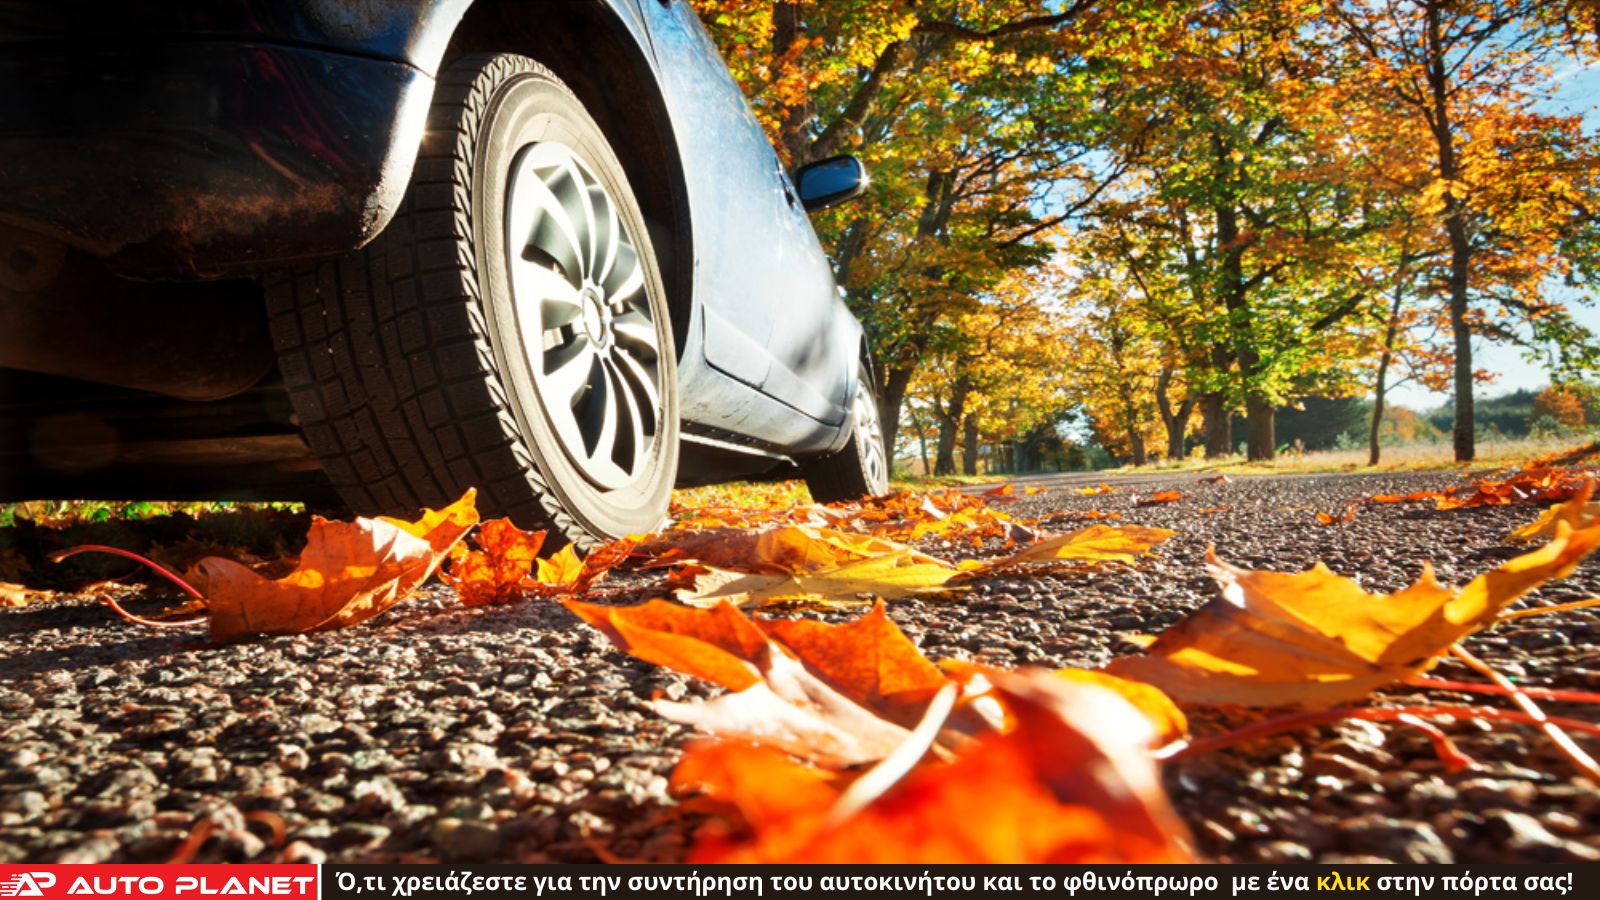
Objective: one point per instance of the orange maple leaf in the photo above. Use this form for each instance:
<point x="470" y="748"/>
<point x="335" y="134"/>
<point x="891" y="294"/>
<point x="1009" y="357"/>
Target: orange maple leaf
<point x="837" y="695"/>
<point x="494" y="572"/>
<point x="1071" y="782"/>
<point x="1348" y="515"/>
<point x="348" y="573"/>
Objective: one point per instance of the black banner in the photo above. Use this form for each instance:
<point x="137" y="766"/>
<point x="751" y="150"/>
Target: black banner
<point x="628" y="882"/>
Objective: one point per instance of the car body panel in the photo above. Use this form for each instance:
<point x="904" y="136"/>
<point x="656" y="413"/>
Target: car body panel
<point x="245" y="136"/>
<point x="760" y="274"/>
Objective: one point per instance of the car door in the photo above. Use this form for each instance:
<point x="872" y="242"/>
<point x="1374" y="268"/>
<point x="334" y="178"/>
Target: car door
<point x="765" y="288"/>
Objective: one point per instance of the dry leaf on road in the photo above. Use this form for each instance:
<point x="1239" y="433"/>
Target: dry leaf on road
<point x="1070" y="783"/>
<point x="1316" y="638"/>
<point x="839" y="695"/>
<point x="1094" y="544"/>
<point x="348" y="573"/>
<point x="494" y="572"/>
<point x="1577" y="512"/>
<point x="1160" y="497"/>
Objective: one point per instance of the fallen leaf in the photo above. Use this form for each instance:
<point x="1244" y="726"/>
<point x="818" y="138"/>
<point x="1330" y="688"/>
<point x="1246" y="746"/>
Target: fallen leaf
<point x="348" y="573"/>
<point x="1160" y="497"/>
<point x="1094" y="544"/>
<point x="1071" y="783"/>
<point x="1215" y="479"/>
<point x="493" y="573"/>
<point x="1578" y="513"/>
<point x="562" y="569"/>
<point x="1101" y="488"/>
<point x="838" y="695"/>
<point x="1006" y="492"/>
<point x="1404" y="498"/>
<point x="1213" y="510"/>
<point x="15" y="596"/>
<point x="893" y="576"/>
<point x="1316" y="638"/>
<point x="799" y="562"/>
<point x="1330" y="519"/>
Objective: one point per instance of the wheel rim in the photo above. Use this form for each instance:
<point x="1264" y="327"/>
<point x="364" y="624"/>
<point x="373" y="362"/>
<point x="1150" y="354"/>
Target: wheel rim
<point x="869" y="438"/>
<point x="583" y="314"/>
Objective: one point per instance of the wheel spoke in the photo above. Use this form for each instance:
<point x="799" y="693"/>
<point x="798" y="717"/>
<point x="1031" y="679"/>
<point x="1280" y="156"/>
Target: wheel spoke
<point x="543" y="295"/>
<point x="637" y="427"/>
<point x="572" y="369"/>
<point x="607" y="233"/>
<point x="635" y="331"/>
<point x="568" y="183"/>
<point x="626" y="275"/>
<point x="641" y="383"/>
<point x="552" y="233"/>
<point x="600" y="415"/>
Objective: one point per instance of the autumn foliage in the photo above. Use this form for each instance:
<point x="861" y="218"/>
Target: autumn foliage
<point x="840" y="741"/>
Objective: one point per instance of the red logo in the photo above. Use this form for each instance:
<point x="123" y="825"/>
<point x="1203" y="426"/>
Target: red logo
<point x="198" y="881"/>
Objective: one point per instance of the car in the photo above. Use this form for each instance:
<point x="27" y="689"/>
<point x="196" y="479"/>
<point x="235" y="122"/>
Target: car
<point x="374" y="254"/>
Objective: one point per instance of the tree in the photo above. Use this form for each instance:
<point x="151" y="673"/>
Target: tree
<point x="1509" y="184"/>
<point x="973" y="119"/>
<point x="1560" y="405"/>
<point x="1230" y="133"/>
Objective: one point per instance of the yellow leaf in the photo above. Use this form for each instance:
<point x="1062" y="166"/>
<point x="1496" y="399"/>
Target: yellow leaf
<point x="1097" y="543"/>
<point x="892" y="576"/>
<point x="1316" y="638"/>
<point x="1577" y="513"/>
<point x="562" y="567"/>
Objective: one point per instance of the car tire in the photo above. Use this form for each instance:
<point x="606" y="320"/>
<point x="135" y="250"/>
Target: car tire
<point x="861" y="467"/>
<point x="508" y="330"/>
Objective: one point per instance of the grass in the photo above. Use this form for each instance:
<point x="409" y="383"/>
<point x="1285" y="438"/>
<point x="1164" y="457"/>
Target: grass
<point x="1411" y="458"/>
<point x="72" y="512"/>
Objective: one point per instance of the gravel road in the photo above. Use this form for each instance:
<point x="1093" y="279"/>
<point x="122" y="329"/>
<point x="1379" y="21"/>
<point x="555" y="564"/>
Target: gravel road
<point x="515" y="734"/>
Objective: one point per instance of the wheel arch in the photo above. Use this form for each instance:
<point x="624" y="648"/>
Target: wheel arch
<point x="590" y="46"/>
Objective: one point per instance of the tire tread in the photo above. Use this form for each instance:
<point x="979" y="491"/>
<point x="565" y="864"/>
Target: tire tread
<point x="386" y="350"/>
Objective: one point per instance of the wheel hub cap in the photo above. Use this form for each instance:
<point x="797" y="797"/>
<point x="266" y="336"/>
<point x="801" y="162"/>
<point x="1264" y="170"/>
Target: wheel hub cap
<point x="596" y="317"/>
<point x="583" y="314"/>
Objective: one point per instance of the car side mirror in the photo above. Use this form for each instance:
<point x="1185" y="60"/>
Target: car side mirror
<point x="830" y="181"/>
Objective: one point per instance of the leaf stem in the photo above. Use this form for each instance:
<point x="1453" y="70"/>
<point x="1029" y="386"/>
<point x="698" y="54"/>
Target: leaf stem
<point x="1448" y="753"/>
<point x="1542" y="610"/>
<point x="161" y="570"/>
<point x="1582" y="760"/>
<point x="1557" y="694"/>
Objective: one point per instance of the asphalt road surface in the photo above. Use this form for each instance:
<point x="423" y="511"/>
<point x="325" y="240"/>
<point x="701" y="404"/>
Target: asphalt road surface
<point x="515" y="734"/>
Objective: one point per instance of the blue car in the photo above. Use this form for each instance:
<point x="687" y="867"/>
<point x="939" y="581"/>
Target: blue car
<point x="377" y="253"/>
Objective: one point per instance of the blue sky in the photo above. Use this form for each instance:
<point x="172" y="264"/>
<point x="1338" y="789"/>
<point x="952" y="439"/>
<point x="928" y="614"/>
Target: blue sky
<point x="1578" y="92"/>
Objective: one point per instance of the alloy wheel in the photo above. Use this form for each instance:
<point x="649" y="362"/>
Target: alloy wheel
<point x="583" y="314"/>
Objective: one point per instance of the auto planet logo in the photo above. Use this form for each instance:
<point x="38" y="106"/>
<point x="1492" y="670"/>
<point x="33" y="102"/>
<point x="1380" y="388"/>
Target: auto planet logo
<point x="159" y="881"/>
<point x="27" y="884"/>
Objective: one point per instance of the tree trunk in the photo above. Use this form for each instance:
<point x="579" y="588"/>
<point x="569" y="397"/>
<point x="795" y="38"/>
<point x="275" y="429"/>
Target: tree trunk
<point x="1136" y="445"/>
<point x="1455" y="223"/>
<point x="922" y="445"/>
<point x="1465" y="432"/>
<point x="969" y="446"/>
<point x="1261" y="423"/>
<point x="891" y="397"/>
<point x="1374" y="450"/>
<point x="1234" y="290"/>
<point x="1218" y="425"/>
<point x="945" y="462"/>
<point x="949" y="423"/>
<point x="1175" y="421"/>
